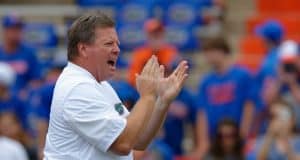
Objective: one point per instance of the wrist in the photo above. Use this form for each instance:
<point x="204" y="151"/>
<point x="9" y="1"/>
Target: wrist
<point x="163" y="101"/>
<point x="148" y="97"/>
<point x="161" y="104"/>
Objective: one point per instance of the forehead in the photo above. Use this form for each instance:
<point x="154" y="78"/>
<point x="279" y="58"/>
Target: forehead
<point x="109" y="33"/>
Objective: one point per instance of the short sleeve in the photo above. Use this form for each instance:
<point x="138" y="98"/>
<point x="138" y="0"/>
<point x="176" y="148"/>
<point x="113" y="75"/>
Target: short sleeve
<point x="92" y="117"/>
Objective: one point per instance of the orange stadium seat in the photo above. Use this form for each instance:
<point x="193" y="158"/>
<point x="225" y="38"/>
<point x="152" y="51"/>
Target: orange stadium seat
<point x="252" y="51"/>
<point x="278" y="6"/>
<point x="264" y="6"/>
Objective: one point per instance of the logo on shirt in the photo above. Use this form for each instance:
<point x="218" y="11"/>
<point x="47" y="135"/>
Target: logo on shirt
<point x="119" y="108"/>
<point x="221" y="93"/>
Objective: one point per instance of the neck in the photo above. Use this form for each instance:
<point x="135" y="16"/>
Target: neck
<point x="10" y="47"/>
<point x="87" y="67"/>
<point x="222" y="67"/>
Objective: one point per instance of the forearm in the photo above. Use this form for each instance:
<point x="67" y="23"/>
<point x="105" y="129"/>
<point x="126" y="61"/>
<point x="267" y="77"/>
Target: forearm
<point x="247" y="119"/>
<point x="157" y="118"/>
<point x="42" y="127"/>
<point x="202" y="137"/>
<point x="291" y="155"/>
<point x="265" y="149"/>
<point x="136" y="122"/>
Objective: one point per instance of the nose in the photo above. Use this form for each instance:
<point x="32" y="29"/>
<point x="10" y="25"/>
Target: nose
<point x="116" y="49"/>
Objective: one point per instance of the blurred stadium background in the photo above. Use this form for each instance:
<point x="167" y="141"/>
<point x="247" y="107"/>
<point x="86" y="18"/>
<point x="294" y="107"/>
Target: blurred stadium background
<point x="254" y="30"/>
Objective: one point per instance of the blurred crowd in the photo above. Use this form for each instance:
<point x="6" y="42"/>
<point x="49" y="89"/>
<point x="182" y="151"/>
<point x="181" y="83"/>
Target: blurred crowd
<point x="234" y="114"/>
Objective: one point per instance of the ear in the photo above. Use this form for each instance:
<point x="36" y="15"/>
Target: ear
<point x="82" y="49"/>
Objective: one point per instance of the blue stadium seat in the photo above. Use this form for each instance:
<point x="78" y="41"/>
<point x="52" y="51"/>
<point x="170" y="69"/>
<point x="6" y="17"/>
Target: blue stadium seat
<point x="182" y="37"/>
<point x="186" y="13"/>
<point x="41" y="35"/>
<point x="131" y="36"/>
<point x="134" y="12"/>
<point x="181" y="13"/>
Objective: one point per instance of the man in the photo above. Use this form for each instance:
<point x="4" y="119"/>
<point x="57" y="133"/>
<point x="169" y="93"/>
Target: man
<point x="156" y="44"/>
<point x="286" y="83"/>
<point x="225" y="92"/>
<point x="87" y="119"/>
<point x="273" y="33"/>
<point x="20" y="57"/>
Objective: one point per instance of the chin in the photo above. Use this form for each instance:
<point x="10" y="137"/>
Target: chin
<point x="110" y="75"/>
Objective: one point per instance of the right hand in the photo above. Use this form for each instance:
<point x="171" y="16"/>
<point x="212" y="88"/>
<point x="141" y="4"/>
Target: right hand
<point x="146" y="82"/>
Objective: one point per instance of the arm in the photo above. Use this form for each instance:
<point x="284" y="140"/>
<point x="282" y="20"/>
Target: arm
<point x="140" y="115"/>
<point x="265" y="149"/>
<point x="201" y="135"/>
<point x="270" y="90"/>
<point x="272" y="133"/>
<point x="168" y="89"/>
<point x="42" y="126"/>
<point x="136" y="122"/>
<point x="158" y="117"/>
<point x="247" y="119"/>
<point x="291" y="155"/>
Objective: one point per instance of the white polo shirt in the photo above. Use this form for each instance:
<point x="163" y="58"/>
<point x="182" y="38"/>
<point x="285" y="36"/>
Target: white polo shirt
<point x="86" y="118"/>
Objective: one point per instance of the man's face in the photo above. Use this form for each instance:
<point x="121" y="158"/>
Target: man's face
<point x="13" y="35"/>
<point x="214" y="57"/>
<point x="156" y="39"/>
<point x="103" y="53"/>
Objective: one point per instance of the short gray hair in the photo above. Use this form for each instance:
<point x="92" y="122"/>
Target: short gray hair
<point x="83" y="30"/>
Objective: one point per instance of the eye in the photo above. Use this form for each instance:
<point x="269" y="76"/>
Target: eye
<point x="109" y="43"/>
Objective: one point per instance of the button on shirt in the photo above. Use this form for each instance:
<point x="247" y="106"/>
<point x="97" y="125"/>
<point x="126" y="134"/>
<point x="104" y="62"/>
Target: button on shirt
<point x="86" y="118"/>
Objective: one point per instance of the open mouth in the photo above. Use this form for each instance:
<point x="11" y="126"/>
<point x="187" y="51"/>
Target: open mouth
<point x="111" y="62"/>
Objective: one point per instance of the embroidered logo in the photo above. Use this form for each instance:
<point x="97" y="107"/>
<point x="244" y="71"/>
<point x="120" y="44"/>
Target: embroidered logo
<point x="119" y="108"/>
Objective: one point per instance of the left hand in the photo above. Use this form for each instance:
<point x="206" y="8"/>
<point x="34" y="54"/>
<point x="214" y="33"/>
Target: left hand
<point x="169" y="87"/>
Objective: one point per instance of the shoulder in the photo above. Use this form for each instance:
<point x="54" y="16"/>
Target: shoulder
<point x="72" y="83"/>
<point x="141" y="53"/>
<point x="107" y="88"/>
<point x="11" y="144"/>
<point x="207" y="78"/>
<point x="240" y="72"/>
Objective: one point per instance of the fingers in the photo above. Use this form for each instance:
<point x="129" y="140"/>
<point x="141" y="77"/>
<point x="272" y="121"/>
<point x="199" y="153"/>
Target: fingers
<point x="183" y="69"/>
<point x="161" y="71"/>
<point x="182" y="79"/>
<point x="180" y="73"/>
<point x="147" y="66"/>
<point x="154" y="68"/>
<point x="179" y="68"/>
